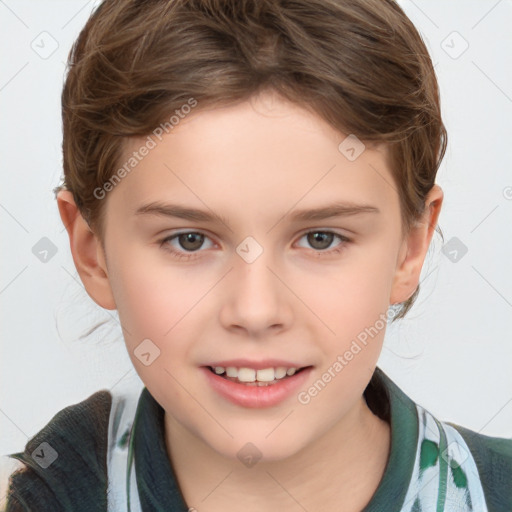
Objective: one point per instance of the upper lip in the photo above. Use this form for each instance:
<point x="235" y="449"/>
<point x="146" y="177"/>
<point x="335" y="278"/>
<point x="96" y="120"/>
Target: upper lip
<point x="257" y="365"/>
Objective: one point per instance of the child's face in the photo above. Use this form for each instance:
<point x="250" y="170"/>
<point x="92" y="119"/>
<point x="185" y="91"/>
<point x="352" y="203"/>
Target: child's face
<point x="255" y="164"/>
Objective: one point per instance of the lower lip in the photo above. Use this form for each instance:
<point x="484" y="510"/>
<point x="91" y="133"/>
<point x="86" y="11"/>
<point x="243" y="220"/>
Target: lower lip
<point x="257" y="397"/>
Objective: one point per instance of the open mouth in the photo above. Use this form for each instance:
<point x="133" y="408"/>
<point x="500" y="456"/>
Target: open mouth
<point x="252" y="377"/>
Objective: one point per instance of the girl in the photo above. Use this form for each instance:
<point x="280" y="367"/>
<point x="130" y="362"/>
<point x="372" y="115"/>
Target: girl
<point x="251" y="185"/>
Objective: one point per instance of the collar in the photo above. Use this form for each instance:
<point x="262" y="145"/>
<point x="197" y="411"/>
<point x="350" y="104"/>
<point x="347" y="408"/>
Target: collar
<point x="156" y="481"/>
<point x="404" y="439"/>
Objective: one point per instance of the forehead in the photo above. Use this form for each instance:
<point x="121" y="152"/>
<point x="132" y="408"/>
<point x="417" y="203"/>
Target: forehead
<point x="252" y="156"/>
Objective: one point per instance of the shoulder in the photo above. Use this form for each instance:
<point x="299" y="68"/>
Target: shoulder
<point x="493" y="460"/>
<point x="448" y="467"/>
<point x="65" y="463"/>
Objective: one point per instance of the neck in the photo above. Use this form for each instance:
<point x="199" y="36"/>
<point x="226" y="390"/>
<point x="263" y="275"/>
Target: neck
<point x="362" y="443"/>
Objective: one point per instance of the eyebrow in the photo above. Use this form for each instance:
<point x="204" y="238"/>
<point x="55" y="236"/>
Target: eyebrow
<point x="337" y="209"/>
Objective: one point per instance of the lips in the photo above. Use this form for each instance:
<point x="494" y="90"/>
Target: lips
<point x="253" y="393"/>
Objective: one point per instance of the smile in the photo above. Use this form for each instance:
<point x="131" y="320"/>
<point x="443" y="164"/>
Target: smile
<point x="248" y="387"/>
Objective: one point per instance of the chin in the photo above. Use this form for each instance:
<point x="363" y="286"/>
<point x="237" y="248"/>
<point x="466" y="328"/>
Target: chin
<point x="251" y="449"/>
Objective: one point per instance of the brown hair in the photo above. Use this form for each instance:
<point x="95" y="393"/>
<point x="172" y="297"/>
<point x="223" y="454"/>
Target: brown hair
<point x="360" y="65"/>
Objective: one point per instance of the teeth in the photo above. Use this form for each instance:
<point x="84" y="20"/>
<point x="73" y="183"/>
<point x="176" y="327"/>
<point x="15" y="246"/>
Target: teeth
<point x="280" y="372"/>
<point x="246" y="375"/>
<point x="251" y="375"/>
<point x="266" y="375"/>
<point x="231" y="371"/>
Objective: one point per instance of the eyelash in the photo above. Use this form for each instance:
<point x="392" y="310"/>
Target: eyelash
<point x="191" y="255"/>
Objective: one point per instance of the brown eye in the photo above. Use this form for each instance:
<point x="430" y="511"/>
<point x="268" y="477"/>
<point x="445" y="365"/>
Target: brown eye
<point x="190" y="241"/>
<point x="321" y="242"/>
<point x="320" y="239"/>
<point x="186" y="245"/>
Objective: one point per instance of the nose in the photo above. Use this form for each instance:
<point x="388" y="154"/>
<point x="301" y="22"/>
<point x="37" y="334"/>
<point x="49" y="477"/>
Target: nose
<point x="257" y="301"/>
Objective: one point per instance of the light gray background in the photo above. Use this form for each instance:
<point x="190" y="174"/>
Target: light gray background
<point x="452" y="353"/>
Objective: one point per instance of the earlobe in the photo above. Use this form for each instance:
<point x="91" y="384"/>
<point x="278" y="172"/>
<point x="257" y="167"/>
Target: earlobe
<point x="87" y="251"/>
<point x="414" y="249"/>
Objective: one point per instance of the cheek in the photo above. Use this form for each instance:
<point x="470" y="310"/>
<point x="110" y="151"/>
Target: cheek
<point x="151" y="296"/>
<point x="160" y="302"/>
<point x="157" y="304"/>
<point x="356" y="295"/>
<point x="354" y="307"/>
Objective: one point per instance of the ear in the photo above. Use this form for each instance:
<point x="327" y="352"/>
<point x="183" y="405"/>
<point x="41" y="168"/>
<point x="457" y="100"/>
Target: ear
<point x="87" y="251"/>
<point x="414" y="248"/>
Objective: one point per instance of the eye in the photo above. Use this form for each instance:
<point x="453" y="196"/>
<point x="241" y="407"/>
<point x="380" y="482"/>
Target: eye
<point x="190" y="241"/>
<point x="321" y="240"/>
